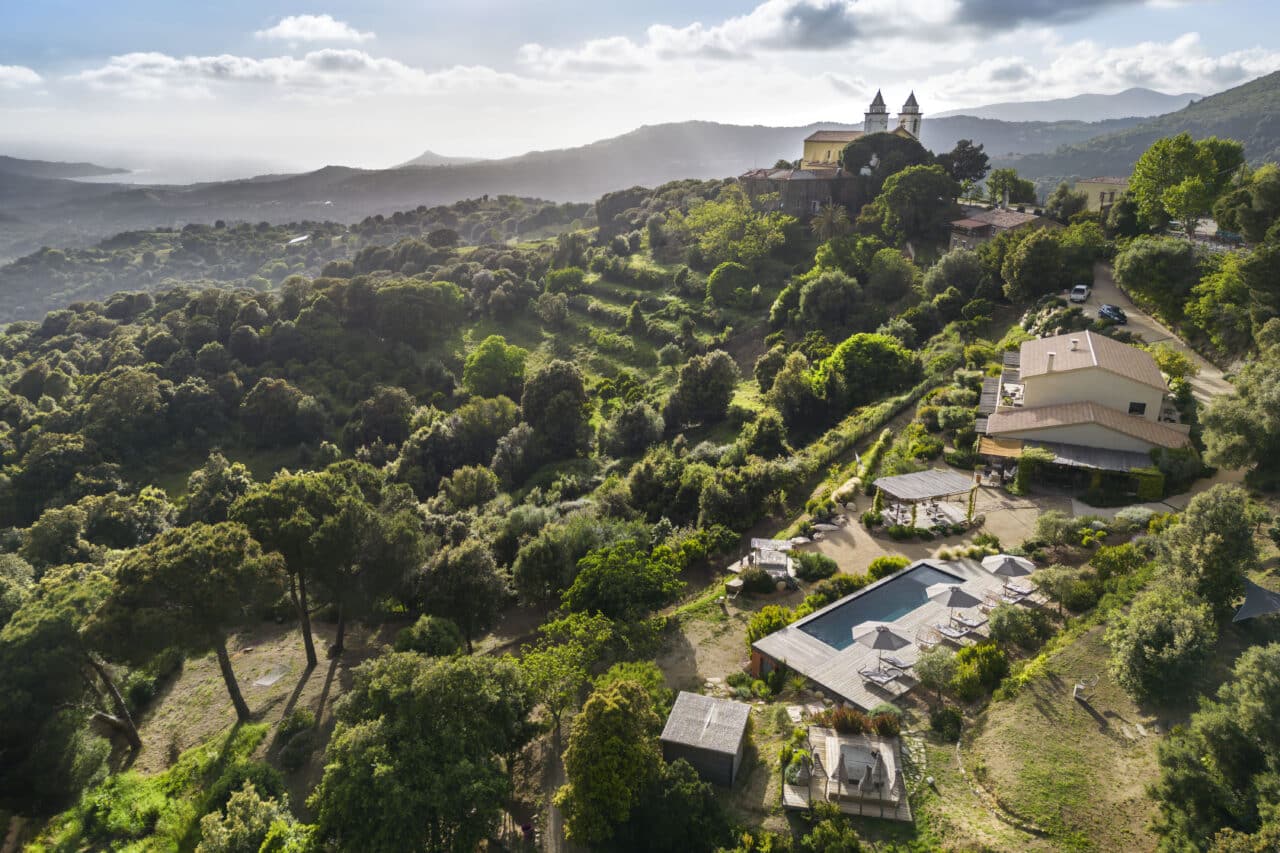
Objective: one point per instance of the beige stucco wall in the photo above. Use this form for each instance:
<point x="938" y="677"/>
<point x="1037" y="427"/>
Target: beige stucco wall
<point x="823" y="153"/>
<point x="1095" y="191"/>
<point x="1091" y="385"/>
<point x="1085" y="435"/>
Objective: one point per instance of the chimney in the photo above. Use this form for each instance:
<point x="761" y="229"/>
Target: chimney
<point x="1049" y="367"/>
<point x="1005" y="202"/>
<point x="1075" y="344"/>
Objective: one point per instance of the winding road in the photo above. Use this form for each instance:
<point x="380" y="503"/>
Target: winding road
<point x="1209" y="383"/>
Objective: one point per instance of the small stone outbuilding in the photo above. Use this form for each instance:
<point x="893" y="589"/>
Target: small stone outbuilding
<point x="709" y="733"/>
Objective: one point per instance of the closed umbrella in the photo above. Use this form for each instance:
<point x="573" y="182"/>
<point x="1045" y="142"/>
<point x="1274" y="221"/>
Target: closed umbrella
<point x="882" y="638"/>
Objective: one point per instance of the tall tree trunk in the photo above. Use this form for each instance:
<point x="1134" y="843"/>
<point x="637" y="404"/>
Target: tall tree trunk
<point x="127" y="726"/>
<point x="337" y="647"/>
<point x="304" y="619"/>
<point x="229" y="676"/>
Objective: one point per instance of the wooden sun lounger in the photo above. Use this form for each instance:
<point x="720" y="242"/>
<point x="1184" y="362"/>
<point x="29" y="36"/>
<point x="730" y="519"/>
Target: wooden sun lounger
<point x="969" y="623"/>
<point x="1022" y="589"/>
<point x="897" y="663"/>
<point x="875" y="676"/>
<point x="951" y="632"/>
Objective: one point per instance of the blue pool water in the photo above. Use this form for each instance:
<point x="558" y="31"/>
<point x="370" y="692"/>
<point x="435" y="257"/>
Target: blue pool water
<point x="885" y="603"/>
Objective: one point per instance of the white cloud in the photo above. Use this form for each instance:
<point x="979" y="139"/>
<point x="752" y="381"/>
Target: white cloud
<point x="808" y="26"/>
<point x="330" y="73"/>
<point x="774" y="25"/>
<point x="297" y="28"/>
<point x="15" y="76"/>
<point x="1180" y="65"/>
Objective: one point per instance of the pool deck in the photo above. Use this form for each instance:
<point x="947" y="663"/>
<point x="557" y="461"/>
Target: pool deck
<point x="837" y="671"/>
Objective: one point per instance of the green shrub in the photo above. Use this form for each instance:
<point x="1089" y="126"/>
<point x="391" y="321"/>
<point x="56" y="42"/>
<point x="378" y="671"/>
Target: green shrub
<point x="768" y="620"/>
<point x="297" y="750"/>
<point x="886" y="708"/>
<point x="1023" y="627"/>
<point x="430" y="635"/>
<point x="946" y="722"/>
<point x="979" y="669"/>
<point x="812" y="566"/>
<point x="296" y="721"/>
<point x="882" y="567"/>
<point x="1159" y="645"/>
<point x="756" y="581"/>
<point x="265" y="778"/>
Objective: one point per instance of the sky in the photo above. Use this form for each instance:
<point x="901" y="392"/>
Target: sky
<point x="266" y="84"/>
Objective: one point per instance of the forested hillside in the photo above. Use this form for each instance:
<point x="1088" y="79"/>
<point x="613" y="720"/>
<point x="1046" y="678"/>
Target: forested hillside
<point x="260" y="256"/>
<point x="378" y="453"/>
<point x="1249" y="113"/>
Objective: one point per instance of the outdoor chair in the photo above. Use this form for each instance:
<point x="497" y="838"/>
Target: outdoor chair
<point x="968" y="622"/>
<point x="878" y="677"/>
<point x="1022" y="589"/>
<point x="926" y="638"/>
<point x="897" y="663"/>
<point x="951" y="632"/>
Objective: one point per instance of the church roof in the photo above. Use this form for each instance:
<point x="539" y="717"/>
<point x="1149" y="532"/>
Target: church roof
<point x="879" y="100"/>
<point x="833" y="136"/>
<point x="911" y="100"/>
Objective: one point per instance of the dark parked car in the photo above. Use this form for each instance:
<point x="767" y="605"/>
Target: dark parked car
<point x="1114" y="313"/>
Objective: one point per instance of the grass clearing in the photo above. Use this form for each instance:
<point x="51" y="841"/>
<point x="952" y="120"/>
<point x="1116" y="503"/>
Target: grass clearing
<point x="1076" y="770"/>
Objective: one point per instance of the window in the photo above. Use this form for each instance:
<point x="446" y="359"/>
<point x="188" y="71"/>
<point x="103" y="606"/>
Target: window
<point x="1137" y="408"/>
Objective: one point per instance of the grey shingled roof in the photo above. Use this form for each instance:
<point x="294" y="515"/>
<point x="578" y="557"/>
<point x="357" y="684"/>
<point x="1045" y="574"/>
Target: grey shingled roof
<point x="707" y="723"/>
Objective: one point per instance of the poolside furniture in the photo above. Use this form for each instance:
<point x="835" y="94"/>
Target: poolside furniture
<point x="880" y="637"/>
<point x="1022" y="589"/>
<point x="878" y="677"/>
<point x="968" y="621"/>
<point x="896" y="662"/>
<point x="926" y="638"/>
<point x="951" y="632"/>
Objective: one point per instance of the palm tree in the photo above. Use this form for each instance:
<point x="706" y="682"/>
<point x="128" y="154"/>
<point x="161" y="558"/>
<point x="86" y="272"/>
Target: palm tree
<point x="831" y="221"/>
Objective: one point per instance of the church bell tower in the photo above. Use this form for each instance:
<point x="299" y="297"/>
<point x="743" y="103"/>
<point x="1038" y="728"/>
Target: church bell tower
<point x="909" y="119"/>
<point x="876" y="118"/>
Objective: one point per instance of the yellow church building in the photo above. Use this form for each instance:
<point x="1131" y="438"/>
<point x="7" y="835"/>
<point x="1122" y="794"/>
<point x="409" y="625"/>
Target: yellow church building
<point x="822" y="148"/>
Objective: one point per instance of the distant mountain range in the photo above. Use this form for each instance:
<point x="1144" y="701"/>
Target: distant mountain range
<point x="1249" y="113"/>
<point x="46" y="169"/>
<point x="431" y="158"/>
<point x="49" y="209"/>
<point x="1135" y="102"/>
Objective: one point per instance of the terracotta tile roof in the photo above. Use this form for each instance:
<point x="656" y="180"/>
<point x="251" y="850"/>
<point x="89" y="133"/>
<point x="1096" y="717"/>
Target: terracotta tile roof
<point x="833" y="136"/>
<point x="1091" y="351"/>
<point x="969" y="223"/>
<point x="1074" y="414"/>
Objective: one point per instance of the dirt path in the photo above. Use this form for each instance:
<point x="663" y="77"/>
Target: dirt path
<point x="553" y="776"/>
<point x="1208" y="384"/>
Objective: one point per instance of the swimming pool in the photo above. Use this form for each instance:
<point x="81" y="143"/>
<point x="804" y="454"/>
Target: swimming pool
<point x="891" y="600"/>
